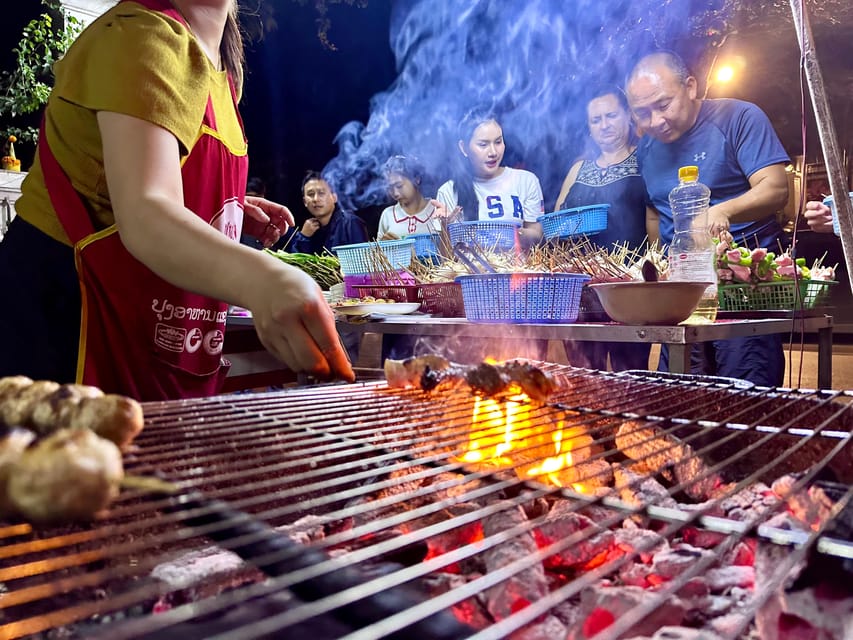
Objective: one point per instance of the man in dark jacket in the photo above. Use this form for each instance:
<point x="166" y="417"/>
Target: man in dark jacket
<point x="328" y="226"/>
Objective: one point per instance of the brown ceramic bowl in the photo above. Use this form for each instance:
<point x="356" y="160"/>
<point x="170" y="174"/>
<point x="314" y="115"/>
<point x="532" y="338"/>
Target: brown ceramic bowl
<point x="637" y="302"/>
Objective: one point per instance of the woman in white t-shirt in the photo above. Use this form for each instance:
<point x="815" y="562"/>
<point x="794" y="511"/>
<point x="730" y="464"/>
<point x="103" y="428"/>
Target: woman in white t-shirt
<point x="481" y="188"/>
<point x="411" y="213"/>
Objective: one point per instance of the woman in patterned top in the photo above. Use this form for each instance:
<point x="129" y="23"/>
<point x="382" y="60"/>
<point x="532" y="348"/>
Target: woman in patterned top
<point x="610" y="176"/>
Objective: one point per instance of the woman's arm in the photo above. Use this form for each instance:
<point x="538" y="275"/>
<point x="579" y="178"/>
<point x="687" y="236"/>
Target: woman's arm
<point x="569" y="180"/>
<point x="143" y="172"/>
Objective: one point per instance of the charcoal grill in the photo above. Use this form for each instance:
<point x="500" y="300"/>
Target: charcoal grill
<point x="371" y="478"/>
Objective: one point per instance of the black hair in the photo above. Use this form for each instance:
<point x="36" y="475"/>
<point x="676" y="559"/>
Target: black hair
<point x="601" y="90"/>
<point x="463" y="178"/>
<point x="313" y="175"/>
<point x="256" y="187"/>
<point x="407" y="166"/>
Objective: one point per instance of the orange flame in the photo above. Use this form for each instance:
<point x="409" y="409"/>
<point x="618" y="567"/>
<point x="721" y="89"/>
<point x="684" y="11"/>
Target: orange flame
<point x="504" y="434"/>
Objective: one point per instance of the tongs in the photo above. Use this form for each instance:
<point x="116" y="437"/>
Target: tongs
<point x="468" y="255"/>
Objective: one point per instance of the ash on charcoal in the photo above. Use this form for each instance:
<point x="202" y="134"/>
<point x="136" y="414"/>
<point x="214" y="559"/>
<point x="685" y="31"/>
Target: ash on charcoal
<point x="470" y="610"/>
<point x="526" y="586"/>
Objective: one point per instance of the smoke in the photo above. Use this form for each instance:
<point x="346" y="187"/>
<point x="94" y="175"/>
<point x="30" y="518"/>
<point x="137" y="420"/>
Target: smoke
<point x="531" y="60"/>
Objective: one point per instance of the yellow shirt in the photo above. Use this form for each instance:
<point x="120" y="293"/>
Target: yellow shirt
<point x="130" y="61"/>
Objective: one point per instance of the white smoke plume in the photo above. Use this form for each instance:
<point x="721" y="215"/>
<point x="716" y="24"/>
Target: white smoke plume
<point x="531" y="60"/>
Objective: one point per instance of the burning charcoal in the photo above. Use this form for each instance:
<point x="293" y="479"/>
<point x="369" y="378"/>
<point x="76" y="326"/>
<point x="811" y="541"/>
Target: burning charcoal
<point x="595" y="544"/>
<point x="456" y="537"/>
<point x="550" y="629"/>
<point x="646" y="542"/>
<point x="722" y="579"/>
<point x="812" y="506"/>
<point x="601" y="606"/>
<point x="524" y="587"/>
<point x="635" y="574"/>
<point x="640" y="491"/>
<point x="681" y="633"/>
<point x="752" y="502"/>
<point x="469" y="611"/>
<point x="655" y="452"/>
<point x="743" y="555"/>
<point x="701" y="538"/>
<point x="592" y="473"/>
<point x="673" y="562"/>
<point x="307" y="529"/>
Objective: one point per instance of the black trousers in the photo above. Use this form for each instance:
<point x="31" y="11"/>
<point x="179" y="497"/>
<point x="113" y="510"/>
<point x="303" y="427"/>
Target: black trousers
<point x="40" y="321"/>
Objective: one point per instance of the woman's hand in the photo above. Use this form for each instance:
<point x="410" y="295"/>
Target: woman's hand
<point x="818" y="216"/>
<point x="442" y="212"/>
<point x="295" y="324"/>
<point x="388" y="235"/>
<point x="265" y="220"/>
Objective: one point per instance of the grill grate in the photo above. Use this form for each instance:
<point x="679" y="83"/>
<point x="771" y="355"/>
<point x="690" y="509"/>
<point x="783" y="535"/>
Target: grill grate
<point x="372" y="478"/>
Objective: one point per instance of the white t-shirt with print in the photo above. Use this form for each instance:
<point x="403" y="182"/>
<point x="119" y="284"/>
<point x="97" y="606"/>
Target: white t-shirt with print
<point x="394" y="219"/>
<point x="514" y="195"/>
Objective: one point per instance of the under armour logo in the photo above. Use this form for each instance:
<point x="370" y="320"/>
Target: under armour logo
<point x="699" y="156"/>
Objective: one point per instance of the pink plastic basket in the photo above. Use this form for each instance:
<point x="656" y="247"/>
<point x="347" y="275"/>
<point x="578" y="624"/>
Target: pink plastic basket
<point x="354" y="285"/>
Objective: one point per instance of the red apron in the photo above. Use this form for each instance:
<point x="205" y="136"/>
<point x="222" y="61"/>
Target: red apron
<point x="139" y="335"/>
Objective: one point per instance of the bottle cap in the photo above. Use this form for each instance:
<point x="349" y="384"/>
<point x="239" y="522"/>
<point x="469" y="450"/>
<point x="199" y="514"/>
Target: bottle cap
<point x="688" y="174"/>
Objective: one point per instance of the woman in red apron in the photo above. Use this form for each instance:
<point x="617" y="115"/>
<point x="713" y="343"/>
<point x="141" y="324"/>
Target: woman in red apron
<point x="152" y="285"/>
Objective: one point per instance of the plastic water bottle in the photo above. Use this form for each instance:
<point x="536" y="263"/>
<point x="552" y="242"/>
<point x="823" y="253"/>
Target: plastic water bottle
<point x="691" y="255"/>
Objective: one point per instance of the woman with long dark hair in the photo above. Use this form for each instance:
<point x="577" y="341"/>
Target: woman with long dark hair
<point x="481" y="187"/>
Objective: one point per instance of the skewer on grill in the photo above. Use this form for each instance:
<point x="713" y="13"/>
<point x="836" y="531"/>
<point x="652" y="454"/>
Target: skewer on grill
<point x="69" y="475"/>
<point x="429" y="371"/>
<point x="45" y="406"/>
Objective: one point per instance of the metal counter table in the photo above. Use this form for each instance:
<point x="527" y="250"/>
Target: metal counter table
<point x="675" y="337"/>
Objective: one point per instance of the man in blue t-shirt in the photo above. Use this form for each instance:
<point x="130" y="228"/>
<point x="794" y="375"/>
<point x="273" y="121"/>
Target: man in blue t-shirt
<point x="741" y="160"/>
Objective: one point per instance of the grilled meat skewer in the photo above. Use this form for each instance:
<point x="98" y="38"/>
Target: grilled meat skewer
<point x="69" y="475"/>
<point x="429" y="371"/>
<point x="46" y="406"/>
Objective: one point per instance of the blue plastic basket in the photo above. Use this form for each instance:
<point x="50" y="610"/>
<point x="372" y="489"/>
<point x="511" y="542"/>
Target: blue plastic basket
<point x="426" y="245"/>
<point x="522" y="297"/>
<point x="357" y="259"/>
<point x="565" y="223"/>
<point x="485" y="234"/>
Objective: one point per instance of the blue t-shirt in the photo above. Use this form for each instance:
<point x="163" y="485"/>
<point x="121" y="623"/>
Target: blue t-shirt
<point x="730" y="140"/>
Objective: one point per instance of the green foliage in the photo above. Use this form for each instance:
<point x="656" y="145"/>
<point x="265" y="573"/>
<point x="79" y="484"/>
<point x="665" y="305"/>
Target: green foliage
<point x="26" y="88"/>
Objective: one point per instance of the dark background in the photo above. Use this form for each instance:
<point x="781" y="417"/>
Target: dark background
<point x="299" y="92"/>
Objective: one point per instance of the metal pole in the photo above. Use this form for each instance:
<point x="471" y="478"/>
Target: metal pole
<point x="826" y="131"/>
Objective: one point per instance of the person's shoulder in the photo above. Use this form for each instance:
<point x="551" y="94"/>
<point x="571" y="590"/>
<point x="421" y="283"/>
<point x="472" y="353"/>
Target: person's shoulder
<point x="521" y="175"/>
<point x="726" y="109"/>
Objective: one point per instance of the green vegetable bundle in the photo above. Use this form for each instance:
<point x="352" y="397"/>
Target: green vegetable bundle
<point x="325" y="269"/>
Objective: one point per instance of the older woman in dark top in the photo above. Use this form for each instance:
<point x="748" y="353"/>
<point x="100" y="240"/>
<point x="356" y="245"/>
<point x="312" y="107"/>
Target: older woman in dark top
<point x="610" y="175"/>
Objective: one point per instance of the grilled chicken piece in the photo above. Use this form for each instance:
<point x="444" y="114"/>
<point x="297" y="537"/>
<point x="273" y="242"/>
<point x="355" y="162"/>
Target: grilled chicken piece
<point x="70" y="475"/>
<point x="429" y="371"/>
<point x="45" y="407"/>
<point x="13" y="442"/>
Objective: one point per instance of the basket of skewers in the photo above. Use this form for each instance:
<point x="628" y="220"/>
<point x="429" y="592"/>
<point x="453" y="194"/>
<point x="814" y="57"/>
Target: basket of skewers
<point x="525" y="297"/>
<point x="372" y="257"/>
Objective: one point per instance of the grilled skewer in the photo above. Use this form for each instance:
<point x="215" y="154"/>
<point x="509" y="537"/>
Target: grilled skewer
<point x="44" y="407"/>
<point x="69" y="475"/>
<point x="429" y="371"/>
